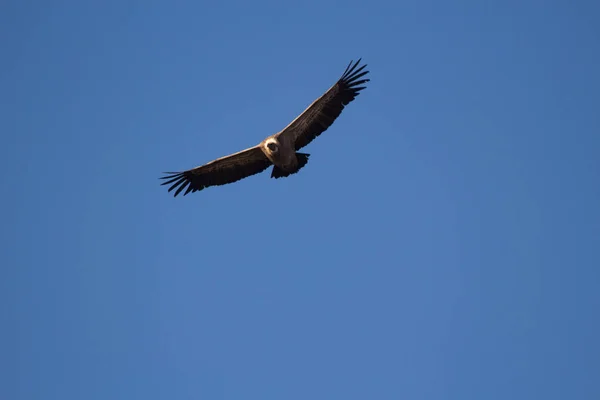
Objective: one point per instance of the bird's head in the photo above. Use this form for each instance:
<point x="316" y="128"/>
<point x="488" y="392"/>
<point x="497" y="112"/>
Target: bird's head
<point x="272" y="146"/>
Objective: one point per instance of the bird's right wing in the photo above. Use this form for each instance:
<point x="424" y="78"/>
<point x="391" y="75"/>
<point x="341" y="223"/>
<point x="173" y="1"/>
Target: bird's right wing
<point x="221" y="171"/>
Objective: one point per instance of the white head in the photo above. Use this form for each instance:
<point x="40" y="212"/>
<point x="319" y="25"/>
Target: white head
<point x="272" y="146"/>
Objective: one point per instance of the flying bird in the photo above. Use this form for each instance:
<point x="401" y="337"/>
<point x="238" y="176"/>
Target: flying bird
<point x="279" y="150"/>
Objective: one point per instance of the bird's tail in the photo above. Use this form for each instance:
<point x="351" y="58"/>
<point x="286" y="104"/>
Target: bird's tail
<point x="279" y="173"/>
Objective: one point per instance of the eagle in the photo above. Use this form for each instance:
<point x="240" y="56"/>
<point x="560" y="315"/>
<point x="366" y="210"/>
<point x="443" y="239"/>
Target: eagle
<point x="281" y="149"/>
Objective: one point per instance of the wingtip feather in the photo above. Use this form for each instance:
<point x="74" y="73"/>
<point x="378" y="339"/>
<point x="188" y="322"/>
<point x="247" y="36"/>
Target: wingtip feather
<point x="351" y="70"/>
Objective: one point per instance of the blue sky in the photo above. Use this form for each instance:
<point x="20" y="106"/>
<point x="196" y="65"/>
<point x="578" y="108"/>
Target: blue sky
<point x="443" y="242"/>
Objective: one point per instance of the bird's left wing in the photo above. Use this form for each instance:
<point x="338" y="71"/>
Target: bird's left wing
<point x="221" y="171"/>
<point x="323" y="112"/>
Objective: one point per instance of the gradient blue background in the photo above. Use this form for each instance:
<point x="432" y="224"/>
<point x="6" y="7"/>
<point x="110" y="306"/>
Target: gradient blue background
<point x="442" y="243"/>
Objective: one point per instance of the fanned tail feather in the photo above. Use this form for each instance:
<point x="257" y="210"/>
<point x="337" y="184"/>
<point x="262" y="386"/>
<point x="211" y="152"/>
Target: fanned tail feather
<point x="279" y="173"/>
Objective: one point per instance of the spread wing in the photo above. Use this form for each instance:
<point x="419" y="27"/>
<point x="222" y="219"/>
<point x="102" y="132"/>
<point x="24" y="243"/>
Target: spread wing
<point x="221" y="171"/>
<point x="321" y="114"/>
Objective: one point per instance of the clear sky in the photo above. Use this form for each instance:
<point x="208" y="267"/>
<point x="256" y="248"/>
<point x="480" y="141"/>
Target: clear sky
<point x="443" y="242"/>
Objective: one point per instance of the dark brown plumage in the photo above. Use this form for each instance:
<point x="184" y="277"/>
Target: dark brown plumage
<point x="221" y="171"/>
<point x="279" y="149"/>
<point x="321" y="114"/>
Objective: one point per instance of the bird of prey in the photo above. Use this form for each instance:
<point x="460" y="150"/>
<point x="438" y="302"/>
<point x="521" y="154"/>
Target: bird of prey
<point x="280" y="149"/>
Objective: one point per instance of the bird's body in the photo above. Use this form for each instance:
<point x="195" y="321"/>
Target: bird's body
<point x="279" y="150"/>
